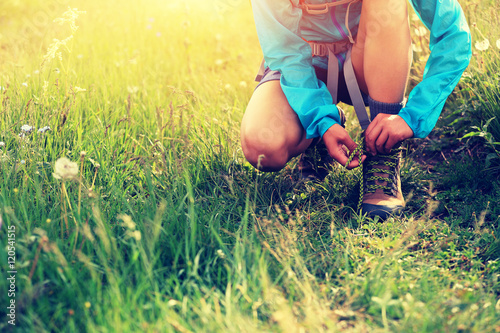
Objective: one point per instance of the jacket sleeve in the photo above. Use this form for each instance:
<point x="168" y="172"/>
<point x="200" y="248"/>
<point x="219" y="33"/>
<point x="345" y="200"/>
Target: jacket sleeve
<point x="450" y="46"/>
<point x="278" y="29"/>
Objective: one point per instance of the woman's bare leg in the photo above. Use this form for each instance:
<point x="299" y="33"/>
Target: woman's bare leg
<point x="271" y="133"/>
<point x="382" y="54"/>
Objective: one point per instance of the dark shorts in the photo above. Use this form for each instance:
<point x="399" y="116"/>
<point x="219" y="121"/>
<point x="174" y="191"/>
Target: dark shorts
<point x="343" y="93"/>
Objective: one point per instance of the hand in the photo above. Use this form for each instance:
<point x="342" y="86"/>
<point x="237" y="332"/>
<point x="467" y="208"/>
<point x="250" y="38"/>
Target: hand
<point x="384" y="132"/>
<point x="336" y="140"/>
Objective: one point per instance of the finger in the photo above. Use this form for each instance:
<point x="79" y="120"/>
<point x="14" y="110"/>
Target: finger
<point x="339" y="155"/>
<point x="370" y="139"/>
<point x="380" y="143"/>
<point x="391" y="142"/>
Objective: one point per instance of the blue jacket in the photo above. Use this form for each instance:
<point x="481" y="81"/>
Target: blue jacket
<point x="282" y="29"/>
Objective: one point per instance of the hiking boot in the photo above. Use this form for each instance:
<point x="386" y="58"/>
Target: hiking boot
<point x="315" y="162"/>
<point x="382" y="194"/>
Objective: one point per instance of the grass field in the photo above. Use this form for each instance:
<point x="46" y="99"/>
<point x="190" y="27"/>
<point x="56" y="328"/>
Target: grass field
<point x="164" y="226"/>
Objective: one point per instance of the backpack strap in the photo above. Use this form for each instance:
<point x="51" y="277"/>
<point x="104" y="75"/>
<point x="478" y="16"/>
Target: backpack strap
<point x="355" y="93"/>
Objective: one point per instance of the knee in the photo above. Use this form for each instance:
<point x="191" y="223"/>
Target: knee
<point x="262" y="149"/>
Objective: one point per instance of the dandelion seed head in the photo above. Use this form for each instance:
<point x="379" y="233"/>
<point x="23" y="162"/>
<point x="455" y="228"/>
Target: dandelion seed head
<point x="483" y="45"/>
<point x="65" y="169"/>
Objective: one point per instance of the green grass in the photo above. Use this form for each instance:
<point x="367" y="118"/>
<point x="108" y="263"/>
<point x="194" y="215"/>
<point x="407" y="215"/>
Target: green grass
<point x="214" y="245"/>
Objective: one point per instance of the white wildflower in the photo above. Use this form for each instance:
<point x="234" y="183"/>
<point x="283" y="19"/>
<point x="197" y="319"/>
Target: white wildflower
<point x="24" y="84"/>
<point x="221" y="254"/>
<point x="22" y="161"/>
<point x="132" y="89"/>
<point x="36" y="72"/>
<point x="26" y="128"/>
<point x="78" y="89"/>
<point x="172" y="302"/>
<point x="44" y="129"/>
<point x="2" y="88"/>
<point x="2" y="144"/>
<point x="137" y="235"/>
<point x="65" y="169"/>
<point x="498" y="43"/>
<point x="482" y="46"/>
<point x="420" y="31"/>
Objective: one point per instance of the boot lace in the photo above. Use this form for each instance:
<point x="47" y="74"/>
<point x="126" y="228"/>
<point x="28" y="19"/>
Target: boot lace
<point x="376" y="173"/>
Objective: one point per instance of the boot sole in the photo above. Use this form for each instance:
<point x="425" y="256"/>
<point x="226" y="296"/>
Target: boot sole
<point x="381" y="211"/>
